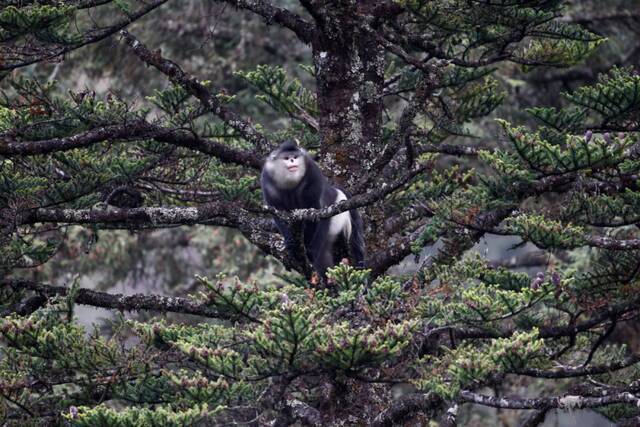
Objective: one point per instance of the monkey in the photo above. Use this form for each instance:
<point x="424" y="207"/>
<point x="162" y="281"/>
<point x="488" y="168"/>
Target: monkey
<point x="291" y="179"/>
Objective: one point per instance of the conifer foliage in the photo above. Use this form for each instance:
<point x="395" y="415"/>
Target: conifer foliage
<point x="392" y="99"/>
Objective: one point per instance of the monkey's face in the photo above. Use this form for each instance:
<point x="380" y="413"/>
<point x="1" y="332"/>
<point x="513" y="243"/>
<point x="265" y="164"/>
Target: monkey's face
<point x="288" y="168"/>
<point x="293" y="162"/>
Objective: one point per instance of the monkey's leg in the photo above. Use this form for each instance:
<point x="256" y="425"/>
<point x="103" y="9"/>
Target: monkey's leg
<point x="321" y="248"/>
<point x="356" y="241"/>
<point x="323" y="260"/>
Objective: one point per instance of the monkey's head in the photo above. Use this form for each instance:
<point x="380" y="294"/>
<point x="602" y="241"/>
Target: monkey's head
<point x="287" y="165"/>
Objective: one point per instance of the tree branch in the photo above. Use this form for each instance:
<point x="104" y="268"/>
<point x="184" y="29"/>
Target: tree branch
<point x="121" y="302"/>
<point x="281" y="16"/>
<point x="209" y="213"/>
<point x="406" y="406"/>
<point x="555" y="331"/>
<point x="254" y="228"/>
<point x="299" y="410"/>
<point x="130" y="131"/>
<point x="580" y="371"/>
<point x="354" y="202"/>
<point x="401" y="136"/>
<point x="568" y="402"/>
<point x="196" y="88"/>
<point x="393" y="253"/>
<point x="89" y="38"/>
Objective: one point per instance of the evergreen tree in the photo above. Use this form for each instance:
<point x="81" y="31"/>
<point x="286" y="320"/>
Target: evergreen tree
<point x="388" y="96"/>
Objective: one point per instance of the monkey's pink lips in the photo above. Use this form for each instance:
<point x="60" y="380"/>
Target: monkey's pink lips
<point x="292" y="168"/>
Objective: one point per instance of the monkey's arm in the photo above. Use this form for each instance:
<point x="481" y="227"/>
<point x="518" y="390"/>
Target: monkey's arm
<point x="289" y="241"/>
<point x="270" y="194"/>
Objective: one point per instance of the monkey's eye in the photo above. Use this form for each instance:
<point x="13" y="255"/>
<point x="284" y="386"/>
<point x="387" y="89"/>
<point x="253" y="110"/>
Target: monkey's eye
<point x="286" y="158"/>
<point x="295" y="157"/>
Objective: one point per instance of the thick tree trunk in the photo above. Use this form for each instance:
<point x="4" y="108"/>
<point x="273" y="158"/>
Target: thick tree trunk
<point x="350" y="77"/>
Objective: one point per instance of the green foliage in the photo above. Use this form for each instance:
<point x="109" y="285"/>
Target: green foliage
<point x="238" y="300"/>
<point x="482" y="295"/>
<point x="560" y="52"/>
<point x="285" y="330"/>
<point x="44" y="22"/>
<point x="285" y="96"/>
<point x="135" y="417"/>
<point x="124" y="6"/>
<point x="487" y="27"/>
<point x="616" y="96"/>
<point x="7" y="118"/>
<point x="347" y="349"/>
<point x="603" y="210"/>
<point x="575" y="154"/>
<point x="460" y="76"/>
<point x="171" y="100"/>
<point x="29" y="251"/>
<point x="466" y="366"/>
<point x="510" y="168"/>
<point x="462" y="321"/>
<point x="480" y="100"/>
<point x="609" y="276"/>
<point x="546" y="233"/>
<point x="385" y="297"/>
<point x="558" y="122"/>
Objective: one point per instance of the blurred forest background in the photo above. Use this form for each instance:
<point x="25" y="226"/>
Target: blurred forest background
<point x="217" y="43"/>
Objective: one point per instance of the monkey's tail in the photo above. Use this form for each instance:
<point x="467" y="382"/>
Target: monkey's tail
<point x="356" y="240"/>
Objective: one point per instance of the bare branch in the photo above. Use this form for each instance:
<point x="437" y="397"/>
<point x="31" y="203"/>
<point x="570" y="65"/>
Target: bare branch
<point x="400" y="53"/>
<point x="225" y="214"/>
<point x="613" y="244"/>
<point x="255" y="228"/>
<point x="393" y="253"/>
<point x="210" y="213"/>
<point x="449" y="149"/>
<point x="313" y="8"/>
<point x="121" y="302"/>
<point x="528" y="259"/>
<point x="126" y="131"/>
<point x="561" y="402"/>
<point x="281" y="16"/>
